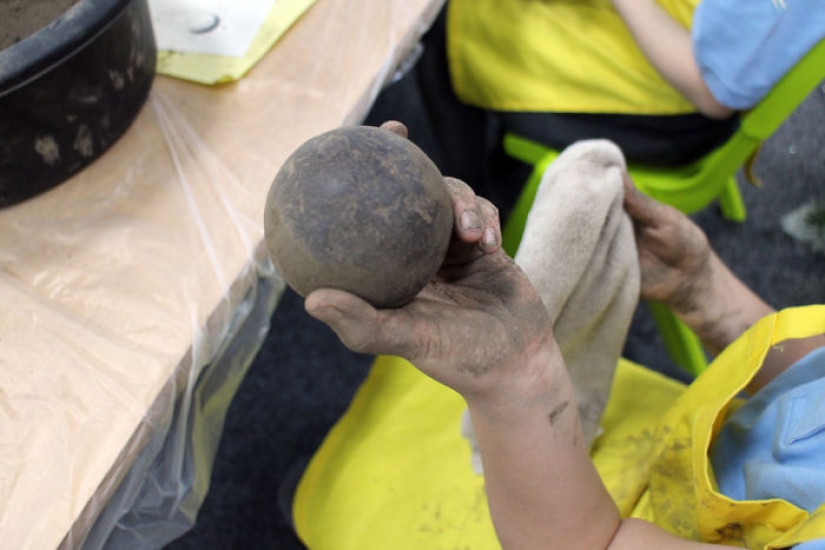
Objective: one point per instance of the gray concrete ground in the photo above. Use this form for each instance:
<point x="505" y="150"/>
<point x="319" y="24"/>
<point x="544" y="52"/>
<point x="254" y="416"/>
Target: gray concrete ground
<point x="303" y="378"/>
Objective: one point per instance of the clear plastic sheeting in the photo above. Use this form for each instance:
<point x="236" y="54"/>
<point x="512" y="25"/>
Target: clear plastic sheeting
<point x="160" y="496"/>
<point x="134" y="296"/>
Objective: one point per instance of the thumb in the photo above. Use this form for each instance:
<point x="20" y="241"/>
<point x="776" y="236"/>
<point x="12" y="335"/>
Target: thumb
<point x="360" y="327"/>
<point x="395" y="127"/>
<point x="640" y="207"/>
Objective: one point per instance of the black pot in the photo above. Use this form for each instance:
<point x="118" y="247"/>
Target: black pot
<point x="69" y="91"/>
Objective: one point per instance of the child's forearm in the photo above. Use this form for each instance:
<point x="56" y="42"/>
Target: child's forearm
<point x="782" y="356"/>
<point x="542" y="487"/>
<point x="668" y="46"/>
<point x="721" y="308"/>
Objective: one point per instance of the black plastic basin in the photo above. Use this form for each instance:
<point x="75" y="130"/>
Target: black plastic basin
<point x="69" y="91"/>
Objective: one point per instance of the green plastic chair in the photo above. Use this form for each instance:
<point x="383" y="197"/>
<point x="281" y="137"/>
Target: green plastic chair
<point x="689" y="188"/>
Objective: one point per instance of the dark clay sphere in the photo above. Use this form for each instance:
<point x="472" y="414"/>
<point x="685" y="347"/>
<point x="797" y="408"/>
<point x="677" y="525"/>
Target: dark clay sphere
<point x="360" y="209"/>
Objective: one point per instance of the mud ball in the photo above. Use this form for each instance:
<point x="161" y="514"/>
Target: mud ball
<point x="360" y="209"/>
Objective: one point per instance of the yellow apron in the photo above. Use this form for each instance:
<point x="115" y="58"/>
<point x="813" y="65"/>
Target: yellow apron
<point x="556" y="56"/>
<point x="395" y="471"/>
<point x="681" y="493"/>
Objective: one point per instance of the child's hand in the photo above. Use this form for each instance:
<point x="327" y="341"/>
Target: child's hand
<point x="674" y="254"/>
<point x="680" y="269"/>
<point x="471" y="326"/>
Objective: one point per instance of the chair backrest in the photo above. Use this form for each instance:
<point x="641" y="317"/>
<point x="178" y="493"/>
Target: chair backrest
<point x="693" y="187"/>
<point x="764" y="119"/>
<point x="688" y="188"/>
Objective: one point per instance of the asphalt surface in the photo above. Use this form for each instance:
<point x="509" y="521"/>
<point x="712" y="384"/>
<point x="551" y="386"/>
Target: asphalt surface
<point x="303" y="378"/>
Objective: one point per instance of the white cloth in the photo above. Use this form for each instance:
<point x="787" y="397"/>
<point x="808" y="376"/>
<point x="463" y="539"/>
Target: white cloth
<point x="579" y="251"/>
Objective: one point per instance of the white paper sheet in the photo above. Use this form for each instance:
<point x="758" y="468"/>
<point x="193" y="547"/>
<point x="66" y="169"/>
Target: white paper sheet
<point x="217" y="27"/>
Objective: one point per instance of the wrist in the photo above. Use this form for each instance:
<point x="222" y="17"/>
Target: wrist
<point x="529" y="382"/>
<point x="719" y="307"/>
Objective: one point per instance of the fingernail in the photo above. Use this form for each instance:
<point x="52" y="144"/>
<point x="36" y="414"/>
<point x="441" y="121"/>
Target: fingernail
<point x="469" y="220"/>
<point x="489" y="238"/>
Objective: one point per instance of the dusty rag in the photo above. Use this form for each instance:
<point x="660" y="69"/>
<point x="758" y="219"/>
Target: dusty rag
<point x="579" y="251"/>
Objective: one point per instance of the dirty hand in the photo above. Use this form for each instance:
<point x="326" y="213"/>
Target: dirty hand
<point x="680" y="269"/>
<point x="471" y="328"/>
<point x="674" y="253"/>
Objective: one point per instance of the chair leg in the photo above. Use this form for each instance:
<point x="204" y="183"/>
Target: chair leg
<point x="731" y="203"/>
<point x="681" y="343"/>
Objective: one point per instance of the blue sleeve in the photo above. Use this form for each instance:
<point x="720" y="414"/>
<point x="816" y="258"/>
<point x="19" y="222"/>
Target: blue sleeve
<point x="772" y="446"/>
<point x="744" y="47"/>
<point x="818" y="544"/>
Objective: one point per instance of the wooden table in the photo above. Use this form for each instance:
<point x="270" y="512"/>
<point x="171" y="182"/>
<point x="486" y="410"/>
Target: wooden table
<point x="118" y="286"/>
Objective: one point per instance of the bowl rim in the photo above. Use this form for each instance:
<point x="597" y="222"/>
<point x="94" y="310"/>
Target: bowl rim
<point x="42" y="50"/>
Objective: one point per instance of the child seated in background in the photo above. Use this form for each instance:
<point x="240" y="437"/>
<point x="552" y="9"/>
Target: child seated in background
<point x="663" y="79"/>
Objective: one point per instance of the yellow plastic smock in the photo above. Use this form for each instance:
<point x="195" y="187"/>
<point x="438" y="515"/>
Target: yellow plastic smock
<point x="396" y="473"/>
<point x="556" y="56"/>
<point x="681" y="493"/>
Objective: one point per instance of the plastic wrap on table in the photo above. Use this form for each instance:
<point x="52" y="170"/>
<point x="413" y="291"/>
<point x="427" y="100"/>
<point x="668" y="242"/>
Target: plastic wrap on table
<point x="106" y="304"/>
<point x="134" y="295"/>
<point x="159" y="498"/>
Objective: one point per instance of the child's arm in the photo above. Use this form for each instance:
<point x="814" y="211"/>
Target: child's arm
<point x="680" y="269"/>
<point x="482" y="329"/>
<point x="542" y="488"/>
<point x="668" y="47"/>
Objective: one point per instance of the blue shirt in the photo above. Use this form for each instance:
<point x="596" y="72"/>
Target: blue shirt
<point x="773" y="446"/>
<point x="744" y="47"/>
